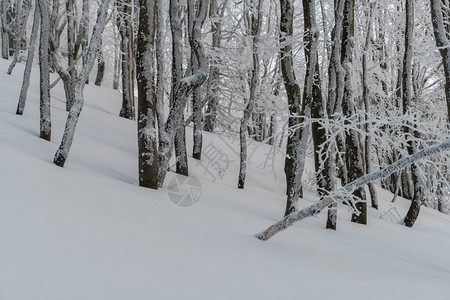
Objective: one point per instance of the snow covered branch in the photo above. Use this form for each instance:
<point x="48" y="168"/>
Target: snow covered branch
<point x="324" y="202"/>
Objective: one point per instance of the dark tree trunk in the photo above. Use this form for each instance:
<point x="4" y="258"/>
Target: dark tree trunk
<point x="147" y="137"/>
<point x="353" y="148"/>
<point x="414" y="209"/>
<point x="100" y="66"/>
<point x="292" y="167"/>
<point x="44" y="62"/>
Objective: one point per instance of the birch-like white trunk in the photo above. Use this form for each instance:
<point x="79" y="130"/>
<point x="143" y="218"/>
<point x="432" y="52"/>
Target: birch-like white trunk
<point x="75" y="110"/>
<point x="147" y="98"/>
<point x="366" y="93"/>
<point x="407" y="98"/>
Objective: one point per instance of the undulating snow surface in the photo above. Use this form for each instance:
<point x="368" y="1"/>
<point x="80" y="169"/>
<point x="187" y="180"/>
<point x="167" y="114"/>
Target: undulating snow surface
<point x="87" y="231"/>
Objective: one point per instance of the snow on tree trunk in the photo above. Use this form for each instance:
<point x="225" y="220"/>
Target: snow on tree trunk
<point x="255" y="31"/>
<point x="4" y="30"/>
<point x="44" y="72"/>
<point x="75" y="110"/>
<point x="160" y="70"/>
<point x="145" y="67"/>
<point x="196" y="100"/>
<point x="443" y="44"/>
<point x="126" y="45"/>
<point x="71" y="57"/>
<point x="407" y="98"/>
<point x="342" y="193"/>
<point x="214" y="72"/>
<point x="353" y="150"/>
<point x="177" y="75"/>
<point x="182" y="90"/>
<point x="368" y="139"/>
<point x="324" y="178"/>
<point x="296" y="141"/>
<point x="29" y="63"/>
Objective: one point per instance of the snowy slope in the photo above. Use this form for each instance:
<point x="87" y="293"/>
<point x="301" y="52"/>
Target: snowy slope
<point x="89" y="232"/>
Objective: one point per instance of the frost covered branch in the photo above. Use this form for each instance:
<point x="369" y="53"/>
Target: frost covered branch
<point x="324" y="202"/>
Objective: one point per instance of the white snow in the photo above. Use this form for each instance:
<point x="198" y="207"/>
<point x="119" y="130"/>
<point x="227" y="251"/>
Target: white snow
<point x="87" y="231"/>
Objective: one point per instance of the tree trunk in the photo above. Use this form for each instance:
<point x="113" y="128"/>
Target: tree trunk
<point x="335" y="92"/>
<point x="100" y="66"/>
<point x="296" y="142"/>
<point x="368" y="139"/>
<point x="255" y="31"/>
<point x="29" y="63"/>
<point x="4" y="30"/>
<point x="407" y="96"/>
<point x="126" y="46"/>
<point x="44" y="72"/>
<point x="353" y="149"/>
<point x="443" y="44"/>
<point x="147" y="137"/>
<point x="182" y="88"/>
<point x="196" y="100"/>
<point x="75" y="110"/>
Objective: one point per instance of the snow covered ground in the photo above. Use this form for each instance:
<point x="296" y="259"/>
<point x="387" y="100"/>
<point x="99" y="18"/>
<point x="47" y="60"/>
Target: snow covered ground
<point x="87" y="231"/>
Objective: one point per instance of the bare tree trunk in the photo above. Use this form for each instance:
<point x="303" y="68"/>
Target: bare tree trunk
<point x="22" y="13"/>
<point x="75" y="110"/>
<point x="147" y="99"/>
<point x="324" y="176"/>
<point x="100" y="66"/>
<point x="293" y="160"/>
<point x="182" y="90"/>
<point x="368" y="139"/>
<point x="4" y="30"/>
<point x="443" y="44"/>
<point x="160" y="70"/>
<point x="196" y="101"/>
<point x="255" y="31"/>
<point x="44" y="62"/>
<point x="353" y="150"/>
<point x="126" y="45"/>
<point x="336" y="76"/>
<point x="177" y="75"/>
<point x="71" y="57"/>
<point x="407" y="96"/>
<point x="29" y="63"/>
<point x="214" y="77"/>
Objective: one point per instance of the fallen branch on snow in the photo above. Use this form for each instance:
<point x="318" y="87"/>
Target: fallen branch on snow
<point x="337" y="195"/>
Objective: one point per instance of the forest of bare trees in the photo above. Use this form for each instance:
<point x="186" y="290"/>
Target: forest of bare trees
<point x="364" y="85"/>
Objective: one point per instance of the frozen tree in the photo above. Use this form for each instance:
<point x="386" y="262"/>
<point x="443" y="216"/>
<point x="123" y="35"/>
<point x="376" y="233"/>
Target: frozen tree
<point x="145" y="67"/>
<point x="22" y="13"/>
<point x="353" y="150"/>
<point x="75" y="110"/>
<point x="182" y="90"/>
<point x="125" y="26"/>
<point x="44" y="72"/>
<point x="441" y="33"/>
<point x="29" y="62"/>
<point x="297" y="139"/>
<point x="407" y="98"/>
<point x="255" y="16"/>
